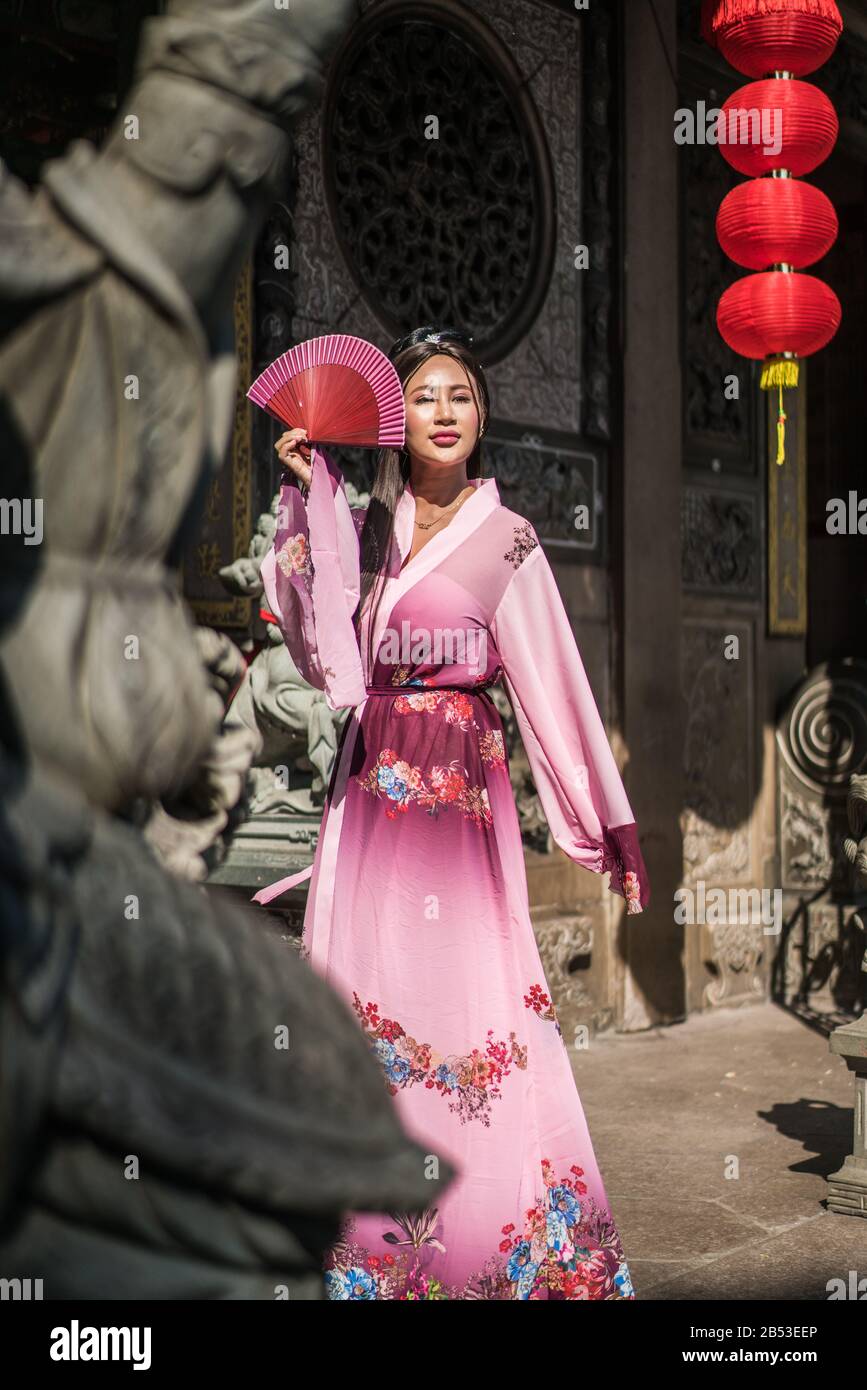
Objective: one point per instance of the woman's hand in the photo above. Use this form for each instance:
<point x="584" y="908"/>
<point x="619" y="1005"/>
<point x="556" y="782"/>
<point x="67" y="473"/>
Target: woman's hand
<point x="295" y="455"/>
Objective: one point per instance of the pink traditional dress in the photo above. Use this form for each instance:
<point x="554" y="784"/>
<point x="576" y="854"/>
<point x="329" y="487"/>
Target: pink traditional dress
<point x="417" y="912"/>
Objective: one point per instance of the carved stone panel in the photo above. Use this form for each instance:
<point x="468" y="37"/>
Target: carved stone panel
<point x="437" y="174"/>
<point x="566" y="949"/>
<point x="734" y="955"/>
<point x="718" y="753"/>
<point x="560" y="490"/>
<point x="721" y="542"/>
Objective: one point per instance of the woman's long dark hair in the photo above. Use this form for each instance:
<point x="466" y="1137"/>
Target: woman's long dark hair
<point x="392" y="474"/>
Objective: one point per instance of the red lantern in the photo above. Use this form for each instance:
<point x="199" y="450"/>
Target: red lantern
<point x="757" y="117"/>
<point x="779" y="316"/>
<point x="766" y="222"/>
<point x="784" y="127"/>
<point x="778" y="312"/>
<point x="795" y="36"/>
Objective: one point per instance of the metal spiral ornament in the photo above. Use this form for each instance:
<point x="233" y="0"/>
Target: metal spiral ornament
<point x="824" y="735"/>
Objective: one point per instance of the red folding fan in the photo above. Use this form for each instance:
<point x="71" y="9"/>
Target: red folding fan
<point x="341" y="390"/>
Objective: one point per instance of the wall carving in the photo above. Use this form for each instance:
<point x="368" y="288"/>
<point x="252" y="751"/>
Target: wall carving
<point x="735" y="953"/>
<point x="721" y="542"/>
<point x="718" y="759"/>
<point x="548" y="485"/>
<point x="437" y="175"/>
<point x="566" y="950"/>
<point x="822" y="742"/>
<point x="537" y="384"/>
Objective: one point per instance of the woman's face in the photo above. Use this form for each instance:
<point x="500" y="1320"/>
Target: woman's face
<point x="442" y="418"/>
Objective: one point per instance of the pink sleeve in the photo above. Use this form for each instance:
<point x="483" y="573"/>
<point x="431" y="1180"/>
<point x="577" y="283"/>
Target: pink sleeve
<point x="573" y="767"/>
<point x="311" y="577"/>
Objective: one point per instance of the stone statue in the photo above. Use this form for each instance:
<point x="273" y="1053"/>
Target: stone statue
<point x="186" y="1108"/>
<point x="297" y="730"/>
<point x="855" y="845"/>
<point x="847" y="1187"/>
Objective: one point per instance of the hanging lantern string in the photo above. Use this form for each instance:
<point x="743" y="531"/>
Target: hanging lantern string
<point x="781" y="431"/>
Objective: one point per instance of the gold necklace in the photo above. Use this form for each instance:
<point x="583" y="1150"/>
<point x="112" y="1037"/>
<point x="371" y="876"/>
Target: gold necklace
<point x="426" y="525"/>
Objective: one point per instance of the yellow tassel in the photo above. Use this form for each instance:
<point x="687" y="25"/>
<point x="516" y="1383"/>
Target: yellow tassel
<point x="779" y="371"/>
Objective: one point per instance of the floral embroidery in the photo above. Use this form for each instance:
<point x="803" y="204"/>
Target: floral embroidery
<point x="492" y="748"/>
<point x="542" y="1006"/>
<point x="472" y="1081"/>
<point x="567" y="1248"/>
<point x="453" y="704"/>
<point x="401" y="784"/>
<point x="353" y="1274"/>
<point x="525" y="542"/>
<point x="293" y="557"/>
<point x="632" y="892"/>
<point x="457" y="708"/>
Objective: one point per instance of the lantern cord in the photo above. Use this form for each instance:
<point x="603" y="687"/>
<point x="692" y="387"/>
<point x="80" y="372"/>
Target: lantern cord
<point x="781" y="430"/>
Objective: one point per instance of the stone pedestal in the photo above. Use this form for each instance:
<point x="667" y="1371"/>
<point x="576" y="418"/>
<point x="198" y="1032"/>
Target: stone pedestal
<point x="268" y="847"/>
<point x="847" y="1188"/>
<point x="262" y="850"/>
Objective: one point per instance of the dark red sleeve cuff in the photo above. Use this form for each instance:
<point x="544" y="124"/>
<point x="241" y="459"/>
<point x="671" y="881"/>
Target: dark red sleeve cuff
<point x="628" y="873"/>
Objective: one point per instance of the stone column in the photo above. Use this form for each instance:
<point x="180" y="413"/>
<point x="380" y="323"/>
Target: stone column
<point x="653" y="717"/>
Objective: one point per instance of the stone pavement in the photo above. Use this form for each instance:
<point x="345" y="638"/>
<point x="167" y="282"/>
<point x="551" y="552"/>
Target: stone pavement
<point x="668" y="1108"/>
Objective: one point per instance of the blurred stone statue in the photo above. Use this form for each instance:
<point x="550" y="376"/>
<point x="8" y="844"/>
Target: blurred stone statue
<point x="185" y="1108"/>
<point x="847" y="1187"/>
<point x="855" y="845"/>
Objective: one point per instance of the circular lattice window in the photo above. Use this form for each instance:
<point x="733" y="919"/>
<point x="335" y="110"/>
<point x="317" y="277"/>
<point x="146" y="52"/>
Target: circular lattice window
<point x="438" y="175"/>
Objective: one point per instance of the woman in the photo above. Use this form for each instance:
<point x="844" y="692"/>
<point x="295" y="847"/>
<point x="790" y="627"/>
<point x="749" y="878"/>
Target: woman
<point x="417" y="912"/>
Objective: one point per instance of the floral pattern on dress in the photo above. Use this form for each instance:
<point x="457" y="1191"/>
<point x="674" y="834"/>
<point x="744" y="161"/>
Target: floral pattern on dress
<point x="293" y="557"/>
<point x="454" y="705"/>
<point x="492" y="748"/>
<point x="400" y="784"/>
<point x="567" y="1248"/>
<point x="524" y="543"/>
<point x="542" y="1006"/>
<point x="457" y="709"/>
<point x="632" y="892"/>
<point x="471" y="1081"/>
<point x="352" y="1274"/>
